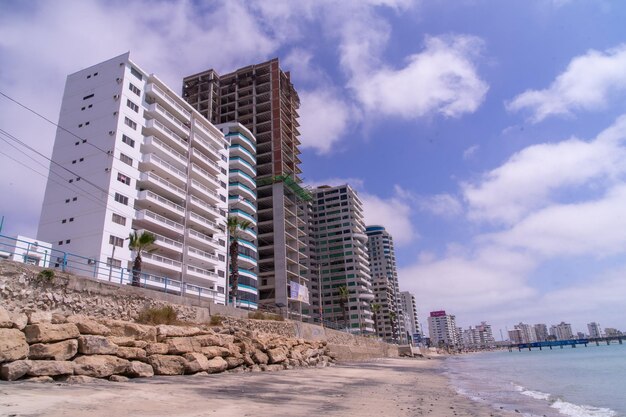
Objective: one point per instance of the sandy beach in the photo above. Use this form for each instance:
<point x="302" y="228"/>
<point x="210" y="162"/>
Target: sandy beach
<point x="387" y="387"/>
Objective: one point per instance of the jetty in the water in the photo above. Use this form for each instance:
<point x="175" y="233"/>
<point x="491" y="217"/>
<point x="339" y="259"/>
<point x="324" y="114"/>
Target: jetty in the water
<point x="573" y="343"/>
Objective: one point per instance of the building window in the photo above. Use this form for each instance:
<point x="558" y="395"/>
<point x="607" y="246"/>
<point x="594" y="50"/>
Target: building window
<point x="134" y="89"/>
<point x="126" y="159"/>
<point x="132" y="106"/>
<point x="128" y="141"/>
<point x="64" y="221"/>
<point x="88" y="97"/>
<point x="116" y="263"/>
<point x="68" y="241"/>
<point x="123" y="178"/>
<point x="121" y="199"/>
<point x="116" y="241"/>
<point x="130" y="123"/>
<point x="136" y="73"/>
<point x="116" y="218"/>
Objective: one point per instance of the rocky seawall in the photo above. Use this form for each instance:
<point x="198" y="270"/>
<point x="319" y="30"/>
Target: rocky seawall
<point x="75" y="348"/>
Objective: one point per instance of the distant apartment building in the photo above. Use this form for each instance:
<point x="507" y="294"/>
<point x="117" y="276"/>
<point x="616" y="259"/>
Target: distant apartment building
<point x="26" y="250"/>
<point x="594" y="329"/>
<point x="262" y="98"/>
<point x="562" y="331"/>
<point x="242" y="206"/>
<point x="480" y="336"/>
<point x="541" y="332"/>
<point x="527" y="332"/>
<point x="132" y="155"/>
<point x="611" y="331"/>
<point x="409" y="307"/>
<point x="390" y="323"/>
<point x="340" y="242"/>
<point x="442" y="329"/>
<point x="515" y="336"/>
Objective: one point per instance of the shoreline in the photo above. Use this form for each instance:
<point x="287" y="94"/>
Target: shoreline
<point x="398" y="387"/>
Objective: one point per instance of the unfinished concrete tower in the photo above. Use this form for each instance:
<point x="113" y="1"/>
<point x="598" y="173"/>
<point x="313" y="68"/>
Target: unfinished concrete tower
<point x="262" y="98"/>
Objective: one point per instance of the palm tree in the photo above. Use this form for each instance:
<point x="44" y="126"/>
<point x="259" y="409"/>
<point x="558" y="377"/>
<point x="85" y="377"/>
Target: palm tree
<point x="343" y="299"/>
<point x="140" y="243"/>
<point x="375" y="310"/>
<point x="234" y="227"/>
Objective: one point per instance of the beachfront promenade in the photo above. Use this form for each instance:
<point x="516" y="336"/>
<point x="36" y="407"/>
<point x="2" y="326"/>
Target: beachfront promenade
<point x="573" y="343"/>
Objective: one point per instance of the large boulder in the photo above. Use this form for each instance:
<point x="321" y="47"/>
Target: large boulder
<point x="14" y="370"/>
<point x="164" y="331"/>
<point x="128" y="341"/>
<point x="48" y="332"/>
<point x="50" y="368"/>
<point x="60" y="351"/>
<point x="134" y="330"/>
<point x="180" y="345"/>
<point x="157" y="348"/>
<point x="215" y="351"/>
<point x="86" y="325"/>
<point x="37" y="317"/>
<point x="138" y="369"/>
<point x="5" y="319"/>
<point x="19" y="320"/>
<point x="260" y="357"/>
<point x="234" y="362"/>
<point x="131" y="353"/>
<point x="215" y="340"/>
<point x="277" y="355"/>
<point x="100" y="366"/>
<point x="217" y="364"/>
<point x="96" y="345"/>
<point x="167" y="365"/>
<point x="196" y="362"/>
<point x="13" y="345"/>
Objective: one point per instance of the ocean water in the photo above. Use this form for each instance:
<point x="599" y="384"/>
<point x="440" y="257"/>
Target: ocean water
<point x="576" y="382"/>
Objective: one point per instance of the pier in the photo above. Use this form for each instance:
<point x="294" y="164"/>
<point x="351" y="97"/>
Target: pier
<point x="560" y="343"/>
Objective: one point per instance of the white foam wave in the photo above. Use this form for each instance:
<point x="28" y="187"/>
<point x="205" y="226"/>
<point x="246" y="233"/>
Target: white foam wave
<point x="537" y="395"/>
<point x="574" y="410"/>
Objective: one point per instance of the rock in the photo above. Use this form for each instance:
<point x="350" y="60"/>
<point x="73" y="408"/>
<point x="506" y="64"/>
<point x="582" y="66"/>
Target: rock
<point x="260" y="357"/>
<point x="248" y="360"/>
<point x="201" y="374"/>
<point x="255" y="368"/>
<point x="86" y="325"/>
<point x="96" y="345"/>
<point x="196" y="362"/>
<point x="167" y="365"/>
<point x="58" y="318"/>
<point x="60" y="351"/>
<point x="134" y="330"/>
<point x="118" y="378"/>
<point x="157" y="348"/>
<point x="131" y="353"/>
<point x="13" y="345"/>
<point x="139" y="370"/>
<point x="48" y="332"/>
<point x="100" y="366"/>
<point x="37" y="317"/>
<point x="5" y="319"/>
<point x="19" y="320"/>
<point x="128" y="341"/>
<point x="179" y="345"/>
<point x="14" y="370"/>
<point x="213" y="351"/>
<point x="217" y="364"/>
<point x="40" y="379"/>
<point x="234" y="362"/>
<point x="277" y="355"/>
<point x="164" y="331"/>
<point x="76" y="379"/>
<point x="50" y="368"/>
<point x="215" y="340"/>
<point x="274" y="368"/>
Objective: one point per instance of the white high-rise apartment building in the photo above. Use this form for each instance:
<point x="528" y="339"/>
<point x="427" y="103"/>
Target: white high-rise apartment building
<point x="594" y="329"/>
<point x="442" y="329"/>
<point x="409" y="306"/>
<point x="541" y="331"/>
<point x="390" y="318"/>
<point x="528" y="332"/>
<point x="136" y="157"/>
<point x="562" y="331"/>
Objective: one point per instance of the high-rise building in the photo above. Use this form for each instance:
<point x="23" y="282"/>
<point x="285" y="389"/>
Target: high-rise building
<point x="132" y="155"/>
<point x="442" y="329"/>
<point x="541" y="331"/>
<point x="562" y="331"/>
<point x="480" y="336"/>
<point x="515" y="336"/>
<point x="242" y="206"/>
<point x="409" y="306"/>
<point x="594" y="329"/>
<point x="528" y="332"/>
<point x="263" y="99"/>
<point x="340" y="244"/>
<point x="390" y="319"/>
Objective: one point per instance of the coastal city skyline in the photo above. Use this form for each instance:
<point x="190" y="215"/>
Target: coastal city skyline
<point x="484" y="188"/>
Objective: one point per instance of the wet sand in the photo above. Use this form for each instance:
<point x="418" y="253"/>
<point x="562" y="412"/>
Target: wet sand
<point x="387" y="387"/>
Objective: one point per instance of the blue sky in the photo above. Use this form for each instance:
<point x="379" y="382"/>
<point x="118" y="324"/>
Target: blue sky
<point x="487" y="136"/>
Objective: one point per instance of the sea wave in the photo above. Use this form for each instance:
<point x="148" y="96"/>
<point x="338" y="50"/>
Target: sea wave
<point x="537" y="395"/>
<point x="574" y="410"/>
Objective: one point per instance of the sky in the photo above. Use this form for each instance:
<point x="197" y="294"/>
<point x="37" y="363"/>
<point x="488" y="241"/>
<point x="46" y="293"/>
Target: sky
<point x="488" y="137"/>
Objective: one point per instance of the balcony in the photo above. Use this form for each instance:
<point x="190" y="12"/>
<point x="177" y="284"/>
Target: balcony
<point x="170" y="103"/>
<point x="215" y="138"/>
<point x="238" y="202"/>
<point x="203" y="256"/>
<point x="160" y="262"/>
<point x="152" y="144"/>
<point x="203" y="224"/>
<point x="148" y="199"/>
<point x="205" y="191"/>
<point x="198" y="157"/>
<point x="208" y="147"/>
<point x="154" y="127"/>
<point x="237" y="138"/>
<point x="244" y="215"/>
<point x="206" y="209"/>
<point x="151" y="162"/>
<point x="236" y="175"/>
<point x="237" y="162"/>
<point x="156" y="222"/>
<point x="202" y="273"/>
<point x="246" y="261"/>
<point x="168" y="119"/>
<point x="242" y="189"/>
<point x="206" y="240"/>
<point x="205" y="176"/>
<point x="240" y="151"/>
<point x="166" y="188"/>
<point x="166" y="243"/>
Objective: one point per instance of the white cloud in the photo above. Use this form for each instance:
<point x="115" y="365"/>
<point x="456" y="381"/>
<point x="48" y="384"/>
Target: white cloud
<point x="588" y="83"/>
<point x="393" y="213"/>
<point x="441" y="79"/>
<point x="470" y="152"/>
<point x="444" y="205"/>
<point x="324" y="118"/>
<point x="531" y="177"/>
